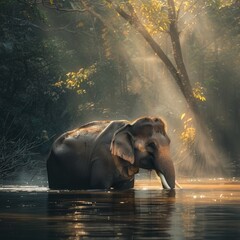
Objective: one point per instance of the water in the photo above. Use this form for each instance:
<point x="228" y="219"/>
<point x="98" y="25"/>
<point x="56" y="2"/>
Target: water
<point x="201" y="210"/>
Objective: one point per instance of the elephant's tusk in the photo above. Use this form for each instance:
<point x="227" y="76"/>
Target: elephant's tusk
<point x="164" y="182"/>
<point x="177" y="184"/>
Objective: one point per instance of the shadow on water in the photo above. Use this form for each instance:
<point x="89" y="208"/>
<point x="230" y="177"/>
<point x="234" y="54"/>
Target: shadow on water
<point x="191" y="213"/>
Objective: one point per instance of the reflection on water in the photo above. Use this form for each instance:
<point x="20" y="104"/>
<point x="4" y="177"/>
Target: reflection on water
<point x="201" y="210"/>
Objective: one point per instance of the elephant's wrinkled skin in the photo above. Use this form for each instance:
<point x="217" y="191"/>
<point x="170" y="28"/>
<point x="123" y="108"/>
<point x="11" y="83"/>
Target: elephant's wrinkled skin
<point x="107" y="154"/>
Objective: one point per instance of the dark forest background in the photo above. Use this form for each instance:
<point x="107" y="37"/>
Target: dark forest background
<point x="42" y="50"/>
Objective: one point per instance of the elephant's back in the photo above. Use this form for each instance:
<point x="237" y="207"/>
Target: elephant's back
<point x="82" y="137"/>
<point x="88" y="132"/>
<point x="81" y="141"/>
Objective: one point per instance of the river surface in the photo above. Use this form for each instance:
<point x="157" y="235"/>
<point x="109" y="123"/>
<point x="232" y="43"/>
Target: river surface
<point x="202" y="209"/>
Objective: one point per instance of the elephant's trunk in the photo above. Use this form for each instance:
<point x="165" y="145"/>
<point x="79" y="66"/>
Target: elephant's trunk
<point x="165" y="170"/>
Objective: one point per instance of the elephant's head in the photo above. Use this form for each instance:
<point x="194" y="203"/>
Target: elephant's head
<point x="145" y="144"/>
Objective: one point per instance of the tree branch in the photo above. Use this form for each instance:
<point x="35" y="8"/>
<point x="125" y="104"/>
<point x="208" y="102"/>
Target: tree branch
<point x="98" y="16"/>
<point x="121" y="12"/>
<point x="134" y="20"/>
<point x="177" y="53"/>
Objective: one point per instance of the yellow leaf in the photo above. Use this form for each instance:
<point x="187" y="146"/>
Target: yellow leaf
<point x="182" y="116"/>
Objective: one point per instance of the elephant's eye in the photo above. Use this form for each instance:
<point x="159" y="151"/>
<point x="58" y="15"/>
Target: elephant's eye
<point x="151" y="146"/>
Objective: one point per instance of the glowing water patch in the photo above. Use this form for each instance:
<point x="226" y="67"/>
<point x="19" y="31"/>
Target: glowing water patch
<point x="20" y="188"/>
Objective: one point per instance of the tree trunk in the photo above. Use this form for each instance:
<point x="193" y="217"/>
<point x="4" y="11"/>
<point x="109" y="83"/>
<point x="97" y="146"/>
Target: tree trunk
<point x="179" y="72"/>
<point x="177" y="53"/>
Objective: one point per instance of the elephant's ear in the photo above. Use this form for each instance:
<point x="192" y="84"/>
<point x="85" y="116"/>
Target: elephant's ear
<point x="122" y="144"/>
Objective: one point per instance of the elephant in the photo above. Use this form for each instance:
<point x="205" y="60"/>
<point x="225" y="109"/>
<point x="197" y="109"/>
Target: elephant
<point x="107" y="155"/>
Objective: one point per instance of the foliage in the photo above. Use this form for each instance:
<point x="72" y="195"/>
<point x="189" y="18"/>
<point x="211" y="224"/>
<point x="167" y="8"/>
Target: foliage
<point x="154" y="15"/>
<point x="189" y="132"/>
<point x="198" y="92"/>
<point x="30" y="63"/>
<point x="75" y="79"/>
